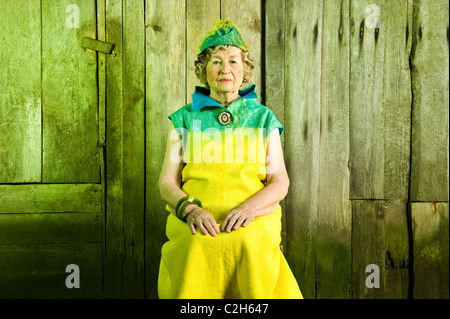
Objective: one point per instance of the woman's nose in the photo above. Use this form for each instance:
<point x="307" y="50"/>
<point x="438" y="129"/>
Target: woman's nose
<point x="224" y="68"/>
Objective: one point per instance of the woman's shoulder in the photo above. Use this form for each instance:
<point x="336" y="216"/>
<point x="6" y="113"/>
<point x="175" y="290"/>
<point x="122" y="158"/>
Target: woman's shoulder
<point x="184" y="109"/>
<point x="181" y="116"/>
<point x="259" y="115"/>
<point x="254" y="107"/>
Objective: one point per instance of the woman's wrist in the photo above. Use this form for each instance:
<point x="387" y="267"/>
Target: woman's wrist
<point x="249" y="209"/>
<point x="190" y="209"/>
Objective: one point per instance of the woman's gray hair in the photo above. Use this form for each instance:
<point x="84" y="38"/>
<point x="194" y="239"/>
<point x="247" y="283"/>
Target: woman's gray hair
<point x="204" y="57"/>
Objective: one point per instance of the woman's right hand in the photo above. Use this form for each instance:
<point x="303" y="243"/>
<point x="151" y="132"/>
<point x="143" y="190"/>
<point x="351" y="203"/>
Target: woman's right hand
<point x="197" y="217"/>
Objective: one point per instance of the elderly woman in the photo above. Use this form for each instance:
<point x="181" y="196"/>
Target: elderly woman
<point x="223" y="178"/>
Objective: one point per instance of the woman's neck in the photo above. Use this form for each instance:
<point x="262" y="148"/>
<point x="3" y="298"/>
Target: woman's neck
<point x="224" y="98"/>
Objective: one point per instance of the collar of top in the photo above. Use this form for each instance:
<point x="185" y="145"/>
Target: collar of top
<point x="201" y="98"/>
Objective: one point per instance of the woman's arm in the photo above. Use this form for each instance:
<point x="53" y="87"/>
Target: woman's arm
<point x="267" y="199"/>
<point x="169" y="184"/>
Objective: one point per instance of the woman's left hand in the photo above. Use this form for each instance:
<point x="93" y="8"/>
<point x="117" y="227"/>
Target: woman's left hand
<point x="237" y="217"/>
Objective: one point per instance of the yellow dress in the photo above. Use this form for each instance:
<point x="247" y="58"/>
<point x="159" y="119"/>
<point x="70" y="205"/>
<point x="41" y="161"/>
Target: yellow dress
<point x="245" y="263"/>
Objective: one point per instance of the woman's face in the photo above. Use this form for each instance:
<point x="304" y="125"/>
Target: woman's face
<point x="225" y="71"/>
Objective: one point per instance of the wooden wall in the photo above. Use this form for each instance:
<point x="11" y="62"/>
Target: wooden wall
<point x="363" y="95"/>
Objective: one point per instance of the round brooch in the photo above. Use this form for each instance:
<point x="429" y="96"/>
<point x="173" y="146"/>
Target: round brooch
<point x="224" y="118"/>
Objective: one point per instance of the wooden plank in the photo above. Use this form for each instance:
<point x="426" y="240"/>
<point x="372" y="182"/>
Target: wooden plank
<point x="334" y="217"/>
<point x="101" y="60"/>
<point x="69" y="94"/>
<point x="368" y="246"/>
<point x="380" y="237"/>
<point x="430" y="87"/>
<point x="52" y="228"/>
<point x="165" y="93"/>
<point x="50" y="198"/>
<point x="20" y="92"/>
<point x="397" y="260"/>
<point x="200" y="18"/>
<point x="38" y="271"/>
<point x="114" y="240"/>
<point x="430" y="250"/>
<point x="380" y="100"/>
<point x="301" y="142"/>
<point x="246" y="14"/>
<point x="100" y="46"/>
<point x="273" y="71"/>
<point x="133" y="147"/>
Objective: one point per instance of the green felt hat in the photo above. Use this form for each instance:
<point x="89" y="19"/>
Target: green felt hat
<point x="224" y="32"/>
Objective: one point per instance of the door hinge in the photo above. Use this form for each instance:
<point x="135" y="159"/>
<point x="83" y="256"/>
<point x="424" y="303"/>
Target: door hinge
<point x="97" y="45"/>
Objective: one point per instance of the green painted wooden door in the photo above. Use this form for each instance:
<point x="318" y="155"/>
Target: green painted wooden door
<point x="51" y="190"/>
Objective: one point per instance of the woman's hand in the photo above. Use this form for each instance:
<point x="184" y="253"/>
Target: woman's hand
<point x="198" y="217"/>
<point x="237" y="217"/>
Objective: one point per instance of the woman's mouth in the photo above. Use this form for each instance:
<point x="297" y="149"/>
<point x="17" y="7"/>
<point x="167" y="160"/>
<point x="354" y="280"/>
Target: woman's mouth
<point x="225" y="80"/>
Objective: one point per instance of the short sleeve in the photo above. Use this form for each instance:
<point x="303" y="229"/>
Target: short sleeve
<point x="273" y="123"/>
<point x="177" y="119"/>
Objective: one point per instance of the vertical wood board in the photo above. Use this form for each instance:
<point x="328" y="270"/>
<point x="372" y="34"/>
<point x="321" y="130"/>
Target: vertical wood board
<point x="115" y="241"/>
<point x="334" y="209"/>
<point x="69" y="93"/>
<point x="20" y="92"/>
<point x="430" y="89"/>
<point x="430" y="250"/>
<point x="380" y="237"/>
<point x="380" y="100"/>
<point x="301" y="142"/>
<point x="165" y="93"/>
<point x="134" y="147"/>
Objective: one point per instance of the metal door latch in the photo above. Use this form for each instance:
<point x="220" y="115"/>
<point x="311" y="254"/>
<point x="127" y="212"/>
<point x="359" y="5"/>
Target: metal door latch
<point x="97" y="45"/>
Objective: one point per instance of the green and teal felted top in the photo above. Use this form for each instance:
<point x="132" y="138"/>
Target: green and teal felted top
<point x="245" y="112"/>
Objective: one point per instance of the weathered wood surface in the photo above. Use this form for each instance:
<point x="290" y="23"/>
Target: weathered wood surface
<point x="380" y="99"/>
<point x="364" y="102"/>
<point x="51" y="198"/>
<point x="430" y="110"/>
<point x="380" y="237"/>
<point x="101" y="58"/>
<point x="301" y="142"/>
<point x="431" y="250"/>
<point x="334" y="215"/>
<point x="44" y="228"/>
<point x="133" y="147"/>
<point x="272" y="79"/>
<point x="69" y="95"/>
<point x="20" y="92"/>
<point x="53" y="228"/>
<point x="165" y="92"/>
<point x="115" y="237"/>
<point x="38" y="271"/>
